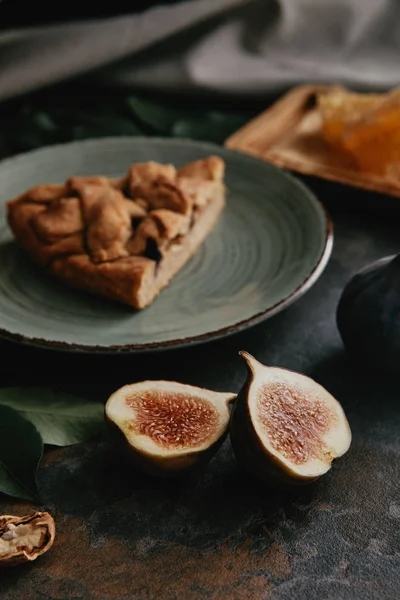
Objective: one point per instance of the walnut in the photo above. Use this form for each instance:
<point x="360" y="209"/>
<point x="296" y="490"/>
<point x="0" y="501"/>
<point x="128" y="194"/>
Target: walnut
<point x="23" y="539"/>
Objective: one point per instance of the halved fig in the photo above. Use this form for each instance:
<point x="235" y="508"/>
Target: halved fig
<point x="169" y="427"/>
<point x="285" y="426"/>
<point x="23" y="539"/>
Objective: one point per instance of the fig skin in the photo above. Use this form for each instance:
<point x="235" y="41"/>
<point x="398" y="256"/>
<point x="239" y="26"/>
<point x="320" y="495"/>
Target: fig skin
<point x="368" y="315"/>
<point x="170" y="465"/>
<point x="249" y="448"/>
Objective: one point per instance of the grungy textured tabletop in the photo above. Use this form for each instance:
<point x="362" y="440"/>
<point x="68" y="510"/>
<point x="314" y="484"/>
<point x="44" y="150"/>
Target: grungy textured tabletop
<point x="220" y="535"/>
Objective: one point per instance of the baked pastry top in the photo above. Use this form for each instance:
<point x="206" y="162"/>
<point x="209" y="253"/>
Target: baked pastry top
<point x="122" y="238"/>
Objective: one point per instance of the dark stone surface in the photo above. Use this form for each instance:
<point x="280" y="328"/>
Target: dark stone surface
<point x="218" y="534"/>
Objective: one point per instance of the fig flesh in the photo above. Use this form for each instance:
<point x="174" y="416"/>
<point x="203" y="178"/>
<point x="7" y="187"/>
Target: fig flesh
<point x="368" y="315"/>
<point x="285" y="427"/>
<point x="169" y="427"/>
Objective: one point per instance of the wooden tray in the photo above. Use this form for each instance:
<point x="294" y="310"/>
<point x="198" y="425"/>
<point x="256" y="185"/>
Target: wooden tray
<point x="289" y="135"/>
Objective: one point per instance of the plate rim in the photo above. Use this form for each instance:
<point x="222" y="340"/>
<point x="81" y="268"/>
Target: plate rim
<point x="210" y="335"/>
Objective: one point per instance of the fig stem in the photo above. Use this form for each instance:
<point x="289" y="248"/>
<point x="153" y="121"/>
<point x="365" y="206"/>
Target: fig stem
<point x="253" y="364"/>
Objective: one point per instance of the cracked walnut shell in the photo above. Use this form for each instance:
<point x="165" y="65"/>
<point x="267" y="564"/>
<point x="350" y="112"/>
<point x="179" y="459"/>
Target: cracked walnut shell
<point x="23" y="539"/>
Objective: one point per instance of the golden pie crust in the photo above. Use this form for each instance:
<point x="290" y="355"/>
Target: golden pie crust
<point x="121" y="238"/>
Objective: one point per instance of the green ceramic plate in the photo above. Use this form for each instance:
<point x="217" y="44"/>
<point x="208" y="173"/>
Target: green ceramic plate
<point x="271" y="244"/>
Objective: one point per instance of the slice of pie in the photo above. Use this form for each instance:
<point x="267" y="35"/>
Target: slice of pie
<point x="121" y="238"/>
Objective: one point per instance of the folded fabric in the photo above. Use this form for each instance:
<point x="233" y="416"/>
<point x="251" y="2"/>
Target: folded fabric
<point x="233" y="47"/>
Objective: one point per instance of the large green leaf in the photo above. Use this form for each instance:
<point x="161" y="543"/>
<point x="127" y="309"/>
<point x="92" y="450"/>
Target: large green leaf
<point x="61" y="419"/>
<point x="21" y="449"/>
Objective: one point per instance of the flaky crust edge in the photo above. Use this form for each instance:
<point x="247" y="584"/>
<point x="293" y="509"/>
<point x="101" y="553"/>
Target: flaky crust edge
<point x="135" y="280"/>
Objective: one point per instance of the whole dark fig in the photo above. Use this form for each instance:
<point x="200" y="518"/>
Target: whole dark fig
<point x="368" y="315"/>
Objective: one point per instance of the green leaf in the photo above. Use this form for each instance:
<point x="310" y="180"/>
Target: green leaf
<point x="212" y="126"/>
<point x="44" y="121"/>
<point x="61" y="419"/>
<point x="161" y="118"/>
<point x="21" y="449"/>
<point x="194" y="123"/>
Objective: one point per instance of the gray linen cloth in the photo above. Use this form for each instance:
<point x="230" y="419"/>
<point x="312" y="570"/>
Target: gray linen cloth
<point x="234" y="47"/>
